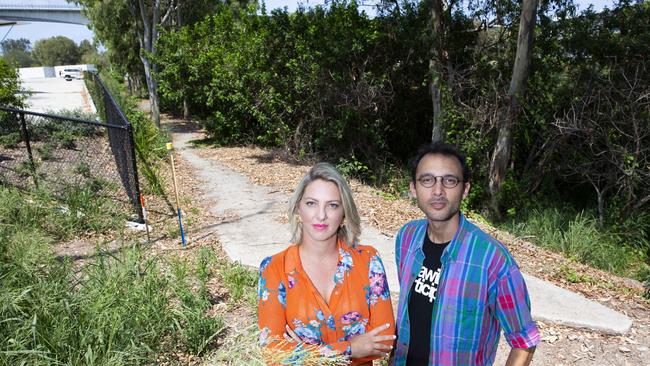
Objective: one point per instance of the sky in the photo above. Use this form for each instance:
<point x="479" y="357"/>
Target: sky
<point x="40" y="30"/>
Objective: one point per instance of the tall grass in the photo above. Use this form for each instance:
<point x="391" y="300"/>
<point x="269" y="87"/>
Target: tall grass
<point x="578" y="236"/>
<point x="240" y="281"/>
<point x="122" y="308"/>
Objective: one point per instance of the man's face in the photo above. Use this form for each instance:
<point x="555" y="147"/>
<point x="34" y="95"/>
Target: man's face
<point x="439" y="203"/>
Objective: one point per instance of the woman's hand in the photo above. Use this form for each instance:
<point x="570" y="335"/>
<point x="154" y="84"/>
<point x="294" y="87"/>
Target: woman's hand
<point x="290" y="336"/>
<point x="370" y="343"/>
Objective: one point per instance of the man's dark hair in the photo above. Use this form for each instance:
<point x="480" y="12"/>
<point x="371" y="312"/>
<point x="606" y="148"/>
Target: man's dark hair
<point x="442" y="149"/>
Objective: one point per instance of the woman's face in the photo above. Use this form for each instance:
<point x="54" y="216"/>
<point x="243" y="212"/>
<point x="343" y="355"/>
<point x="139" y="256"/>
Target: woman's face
<point x="321" y="211"/>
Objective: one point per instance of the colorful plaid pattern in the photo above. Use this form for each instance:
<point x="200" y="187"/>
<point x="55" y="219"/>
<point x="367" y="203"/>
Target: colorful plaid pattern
<point x="481" y="291"/>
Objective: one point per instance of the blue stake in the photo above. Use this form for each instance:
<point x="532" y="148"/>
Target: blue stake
<point x="178" y="206"/>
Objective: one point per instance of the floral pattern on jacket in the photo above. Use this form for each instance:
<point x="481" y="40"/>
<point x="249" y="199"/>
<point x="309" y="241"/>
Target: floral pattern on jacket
<point x="359" y="302"/>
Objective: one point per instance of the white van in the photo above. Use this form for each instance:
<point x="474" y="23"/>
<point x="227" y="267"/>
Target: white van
<point x="72" y="73"/>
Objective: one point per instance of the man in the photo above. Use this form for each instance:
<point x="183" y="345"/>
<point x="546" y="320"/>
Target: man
<point x="458" y="286"/>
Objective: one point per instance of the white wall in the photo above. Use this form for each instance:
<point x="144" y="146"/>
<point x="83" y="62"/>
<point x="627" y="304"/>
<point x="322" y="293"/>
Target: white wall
<point x="49" y="71"/>
<point x="36" y="72"/>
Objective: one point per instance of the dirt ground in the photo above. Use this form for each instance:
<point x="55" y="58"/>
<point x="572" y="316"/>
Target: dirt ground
<point x="560" y="345"/>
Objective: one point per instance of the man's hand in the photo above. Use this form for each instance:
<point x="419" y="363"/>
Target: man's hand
<point x="370" y="343"/>
<point x="520" y="356"/>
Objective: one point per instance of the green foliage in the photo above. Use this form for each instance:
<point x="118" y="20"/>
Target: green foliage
<point x="61" y="133"/>
<point x="240" y="281"/>
<point x="11" y="140"/>
<point x="332" y="82"/>
<point x="65" y="139"/>
<point x="280" y="80"/>
<point x="195" y="329"/>
<point x="9" y="86"/>
<point x="149" y="147"/>
<point x="571" y="275"/>
<point x="46" y="151"/>
<point x="120" y="309"/>
<point x="17" y="52"/>
<point x="353" y="168"/>
<point x="82" y="169"/>
<point x="56" y="51"/>
<point x="578" y="237"/>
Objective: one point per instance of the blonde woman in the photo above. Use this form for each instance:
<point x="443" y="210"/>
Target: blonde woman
<point x="325" y="295"/>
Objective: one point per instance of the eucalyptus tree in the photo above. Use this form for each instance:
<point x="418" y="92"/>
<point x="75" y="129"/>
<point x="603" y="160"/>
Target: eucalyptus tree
<point x="515" y="95"/>
<point x="130" y="30"/>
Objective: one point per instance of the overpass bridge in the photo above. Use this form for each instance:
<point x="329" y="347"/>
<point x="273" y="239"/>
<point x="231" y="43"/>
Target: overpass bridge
<point x="54" y="11"/>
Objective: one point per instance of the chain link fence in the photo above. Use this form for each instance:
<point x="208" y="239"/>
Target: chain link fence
<point x="61" y="153"/>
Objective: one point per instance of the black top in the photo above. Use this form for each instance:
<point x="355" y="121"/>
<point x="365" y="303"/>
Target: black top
<point x="421" y="298"/>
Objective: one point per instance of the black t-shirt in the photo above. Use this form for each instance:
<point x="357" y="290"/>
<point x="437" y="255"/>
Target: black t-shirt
<point x="421" y="298"/>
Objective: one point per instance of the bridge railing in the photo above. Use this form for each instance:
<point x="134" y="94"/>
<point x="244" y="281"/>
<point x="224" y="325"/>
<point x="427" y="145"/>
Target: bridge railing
<point x="21" y="5"/>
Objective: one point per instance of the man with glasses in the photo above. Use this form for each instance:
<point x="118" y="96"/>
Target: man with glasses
<point x="458" y="286"/>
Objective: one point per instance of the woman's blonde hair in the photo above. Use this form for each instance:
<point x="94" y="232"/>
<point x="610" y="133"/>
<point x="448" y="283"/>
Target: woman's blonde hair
<point x="350" y="231"/>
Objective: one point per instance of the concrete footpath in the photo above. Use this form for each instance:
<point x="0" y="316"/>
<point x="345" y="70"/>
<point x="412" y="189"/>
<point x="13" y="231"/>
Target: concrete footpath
<point x="255" y="233"/>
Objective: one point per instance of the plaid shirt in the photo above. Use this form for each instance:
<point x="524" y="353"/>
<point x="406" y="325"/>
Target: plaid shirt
<point x="480" y="291"/>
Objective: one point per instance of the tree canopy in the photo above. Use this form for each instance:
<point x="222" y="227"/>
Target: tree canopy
<point x="9" y="86"/>
<point x="55" y="51"/>
<point x="17" y="52"/>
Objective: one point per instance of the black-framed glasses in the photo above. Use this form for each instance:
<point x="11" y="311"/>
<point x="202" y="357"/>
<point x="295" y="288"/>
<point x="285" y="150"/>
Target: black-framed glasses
<point x="448" y="181"/>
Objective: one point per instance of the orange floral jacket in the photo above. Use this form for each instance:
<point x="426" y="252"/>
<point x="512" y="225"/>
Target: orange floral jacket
<point x="359" y="302"/>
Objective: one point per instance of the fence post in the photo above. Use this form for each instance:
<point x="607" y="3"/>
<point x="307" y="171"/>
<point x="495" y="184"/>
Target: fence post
<point x="129" y="130"/>
<point x="23" y="127"/>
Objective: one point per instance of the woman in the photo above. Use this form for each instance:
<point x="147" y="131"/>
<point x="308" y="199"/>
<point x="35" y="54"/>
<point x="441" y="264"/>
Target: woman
<point x="325" y="296"/>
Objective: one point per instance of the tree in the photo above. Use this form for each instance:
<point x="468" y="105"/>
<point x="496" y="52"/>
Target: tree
<point x="130" y="29"/>
<point x="149" y="19"/>
<point x="55" y="51"/>
<point x="520" y="71"/>
<point x="9" y="86"/>
<point x="17" y="52"/>
<point x="436" y="67"/>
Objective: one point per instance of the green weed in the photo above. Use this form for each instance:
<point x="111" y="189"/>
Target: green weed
<point x="195" y="329"/>
<point x="240" y="281"/>
<point x="120" y="309"/>
<point x="578" y="237"/>
<point x="46" y="151"/>
<point x="10" y="140"/>
<point x="353" y="168"/>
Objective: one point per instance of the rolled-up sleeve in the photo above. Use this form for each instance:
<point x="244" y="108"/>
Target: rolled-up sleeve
<point x="513" y="310"/>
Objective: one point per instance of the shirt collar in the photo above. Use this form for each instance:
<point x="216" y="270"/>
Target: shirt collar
<point x="292" y="261"/>
<point x="451" y="252"/>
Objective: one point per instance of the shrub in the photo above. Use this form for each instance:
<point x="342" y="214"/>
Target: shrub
<point x="10" y="86"/>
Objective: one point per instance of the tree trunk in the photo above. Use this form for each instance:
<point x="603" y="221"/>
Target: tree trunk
<point x="601" y="207"/>
<point x="438" y="130"/>
<point x="152" y="89"/>
<point x="186" y="108"/>
<point x="436" y="64"/>
<point x="520" y="71"/>
<point x="147" y="43"/>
